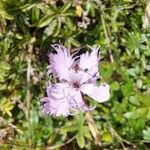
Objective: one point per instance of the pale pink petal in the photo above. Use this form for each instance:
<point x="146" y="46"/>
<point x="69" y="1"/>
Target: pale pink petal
<point x="76" y="99"/>
<point x="55" y="107"/>
<point x="98" y="93"/>
<point x="77" y="103"/>
<point x="84" y="76"/>
<point x="57" y="90"/>
<point x="57" y="102"/>
<point x="79" y="77"/>
<point x="89" y="62"/>
<point x="61" y="62"/>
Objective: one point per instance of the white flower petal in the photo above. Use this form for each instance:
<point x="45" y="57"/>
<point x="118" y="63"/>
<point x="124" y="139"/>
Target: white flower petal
<point x="98" y="93"/>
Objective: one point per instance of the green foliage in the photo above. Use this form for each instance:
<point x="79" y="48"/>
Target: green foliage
<point x="29" y="27"/>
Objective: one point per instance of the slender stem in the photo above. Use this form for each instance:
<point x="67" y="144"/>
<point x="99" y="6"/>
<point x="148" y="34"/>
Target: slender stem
<point x="93" y="128"/>
<point x="46" y="148"/>
<point x="28" y="93"/>
<point x="114" y="132"/>
<point x="107" y="35"/>
<point x="61" y="145"/>
<point x="3" y="121"/>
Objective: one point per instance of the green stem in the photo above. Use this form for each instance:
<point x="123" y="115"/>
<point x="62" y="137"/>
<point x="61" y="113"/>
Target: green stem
<point x="28" y="93"/>
<point x="107" y="34"/>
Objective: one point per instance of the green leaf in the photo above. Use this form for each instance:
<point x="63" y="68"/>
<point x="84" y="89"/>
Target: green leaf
<point x="127" y="89"/>
<point x="146" y="134"/>
<point x="57" y="28"/>
<point x="130" y="115"/>
<point x="106" y="137"/>
<point x="134" y="100"/>
<point x="115" y="86"/>
<point x="70" y="24"/>
<point x="6" y="15"/>
<point x="27" y="7"/>
<point x="106" y="70"/>
<point x="6" y="107"/>
<point x="35" y="14"/>
<point x="2" y="86"/>
<point x="74" y="42"/>
<point x="69" y="128"/>
<point x="22" y="22"/>
<point x="45" y="21"/>
<point x="86" y="132"/>
<point x="65" y="7"/>
<point x="80" y="139"/>
<point x="4" y="66"/>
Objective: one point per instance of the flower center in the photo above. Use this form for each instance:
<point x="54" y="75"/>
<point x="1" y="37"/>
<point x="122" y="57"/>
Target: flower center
<point x="76" y="85"/>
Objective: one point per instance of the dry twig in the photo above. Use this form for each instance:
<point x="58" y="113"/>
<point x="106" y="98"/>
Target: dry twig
<point x="92" y="127"/>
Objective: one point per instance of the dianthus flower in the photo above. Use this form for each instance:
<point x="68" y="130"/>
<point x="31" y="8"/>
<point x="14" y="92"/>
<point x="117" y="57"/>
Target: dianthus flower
<point x="77" y="76"/>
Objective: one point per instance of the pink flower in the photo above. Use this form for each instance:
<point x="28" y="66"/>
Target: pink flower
<point x="77" y="77"/>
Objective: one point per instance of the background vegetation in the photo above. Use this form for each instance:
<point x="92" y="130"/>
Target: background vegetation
<point x="29" y="27"/>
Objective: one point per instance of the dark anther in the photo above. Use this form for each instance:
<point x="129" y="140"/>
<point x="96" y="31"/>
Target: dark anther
<point x="76" y="85"/>
<point x="86" y="70"/>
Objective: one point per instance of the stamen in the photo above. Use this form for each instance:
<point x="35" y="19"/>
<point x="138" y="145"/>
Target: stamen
<point x="76" y="85"/>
